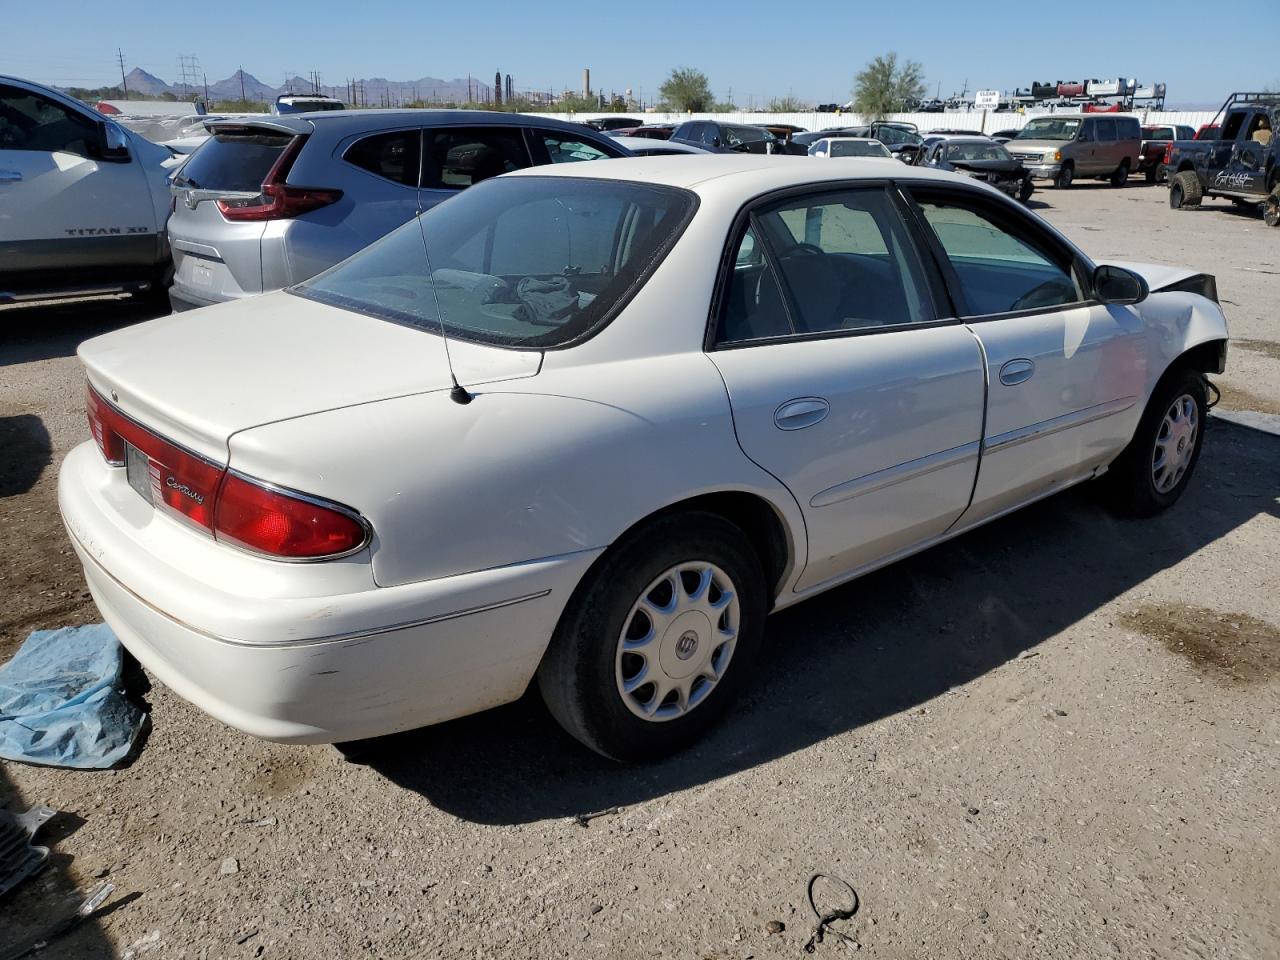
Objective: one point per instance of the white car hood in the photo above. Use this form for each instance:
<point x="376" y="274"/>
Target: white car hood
<point x="199" y="377"/>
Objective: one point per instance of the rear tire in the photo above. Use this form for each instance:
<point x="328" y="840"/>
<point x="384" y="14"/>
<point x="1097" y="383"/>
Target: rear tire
<point x="1184" y="191"/>
<point x="1154" y="469"/>
<point x="629" y="698"/>
<point x="1026" y="189"/>
<point x="1271" y="208"/>
<point x="1121" y="175"/>
<point x="1066" y="176"/>
<point x="1151" y="175"/>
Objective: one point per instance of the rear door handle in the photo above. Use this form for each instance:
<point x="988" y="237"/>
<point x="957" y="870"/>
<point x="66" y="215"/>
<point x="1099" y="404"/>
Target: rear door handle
<point x="800" y="413"/>
<point x="10" y="176"/>
<point x="1017" y="371"/>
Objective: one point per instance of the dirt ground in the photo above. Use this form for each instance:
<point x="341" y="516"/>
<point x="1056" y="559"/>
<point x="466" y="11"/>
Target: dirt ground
<point x="1056" y="736"/>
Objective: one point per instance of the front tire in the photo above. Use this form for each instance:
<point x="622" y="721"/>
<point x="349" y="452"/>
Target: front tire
<point x="1155" y="468"/>
<point x="1271" y="208"/>
<point x="1026" y="189"/>
<point x="1066" y="177"/>
<point x="658" y="638"/>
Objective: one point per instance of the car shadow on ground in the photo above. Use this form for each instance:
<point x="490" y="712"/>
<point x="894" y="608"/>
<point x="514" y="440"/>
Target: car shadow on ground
<point x="876" y="647"/>
<point x="31" y="333"/>
<point x="26" y="450"/>
<point x="45" y="899"/>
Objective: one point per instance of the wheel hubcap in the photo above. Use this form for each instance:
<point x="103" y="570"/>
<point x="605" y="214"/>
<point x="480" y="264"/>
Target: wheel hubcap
<point x="677" y="641"/>
<point x="1175" y="443"/>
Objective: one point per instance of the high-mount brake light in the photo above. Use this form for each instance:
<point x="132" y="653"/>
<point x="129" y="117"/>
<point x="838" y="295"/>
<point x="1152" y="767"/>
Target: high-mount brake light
<point x="239" y="510"/>
<point x="276" y="201"/>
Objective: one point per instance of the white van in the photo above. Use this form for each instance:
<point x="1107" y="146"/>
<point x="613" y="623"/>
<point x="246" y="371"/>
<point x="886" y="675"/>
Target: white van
<point x="83" y="201"/>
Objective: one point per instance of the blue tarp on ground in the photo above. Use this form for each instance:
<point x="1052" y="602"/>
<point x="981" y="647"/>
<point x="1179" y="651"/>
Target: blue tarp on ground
<point x="60" y="700"/>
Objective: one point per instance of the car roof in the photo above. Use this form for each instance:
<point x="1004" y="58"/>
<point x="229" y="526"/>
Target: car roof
<point x="652" y="143"/>
<point x="353" y="121"/>
<point x="751" y="174"/>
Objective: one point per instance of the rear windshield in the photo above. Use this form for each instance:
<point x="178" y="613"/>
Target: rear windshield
<point x="854" y="147"/>
<point x="522" y="262"/>
<point x="233" y="161"/>
<point x="308" y="106"/>
<point x="1158" y="133"/>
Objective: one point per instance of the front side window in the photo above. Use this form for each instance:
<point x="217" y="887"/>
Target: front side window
<point x="562" y="148"/>
<point x="458" y="157"/>
<point x="843" y="262"/>
<point x="29" y="121"/>
<point x="525" y="262"/>
<point x="393" y="156"/>
<point x="1001" y="266"/>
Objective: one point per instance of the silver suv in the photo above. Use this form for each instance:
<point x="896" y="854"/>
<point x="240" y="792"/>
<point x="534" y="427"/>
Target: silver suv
<point x="268" y="202"/>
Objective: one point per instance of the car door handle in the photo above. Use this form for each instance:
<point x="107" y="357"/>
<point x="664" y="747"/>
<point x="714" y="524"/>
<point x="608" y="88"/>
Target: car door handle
<point x="1017" y="371"/>
<point x="10" y="176"/>
<point x="800" y="413"/>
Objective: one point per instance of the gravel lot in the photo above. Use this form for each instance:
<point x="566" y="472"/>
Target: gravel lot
<point x="1056" y="736"/>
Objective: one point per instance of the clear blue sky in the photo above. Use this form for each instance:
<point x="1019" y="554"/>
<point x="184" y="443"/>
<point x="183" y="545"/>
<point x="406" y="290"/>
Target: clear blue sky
<point x="755" y="49"/>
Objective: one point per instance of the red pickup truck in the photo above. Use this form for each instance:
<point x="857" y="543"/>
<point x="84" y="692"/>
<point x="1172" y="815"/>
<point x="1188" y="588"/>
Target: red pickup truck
<point x="1151" y="158"/>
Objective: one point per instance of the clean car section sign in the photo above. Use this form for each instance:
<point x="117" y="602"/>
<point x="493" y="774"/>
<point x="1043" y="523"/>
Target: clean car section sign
<point x="986" y="99"/>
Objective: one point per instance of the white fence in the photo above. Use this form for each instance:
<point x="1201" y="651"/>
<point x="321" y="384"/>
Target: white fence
<point x="966" y="120"/>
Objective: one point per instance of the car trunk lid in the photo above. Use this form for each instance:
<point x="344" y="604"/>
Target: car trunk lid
<point x="199" y="377"/>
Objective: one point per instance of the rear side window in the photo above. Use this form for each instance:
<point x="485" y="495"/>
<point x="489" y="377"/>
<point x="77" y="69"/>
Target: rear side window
<point x="234" y="160"/>
<point x="1106" y="130"/>
<point x="393" y="156"/>
<point x="1128" y="128"/>
<point x="29" y="121"/>
<point x="458" y="157"/>
<point x="523" y="262"/>
<point x="843" y="261"/>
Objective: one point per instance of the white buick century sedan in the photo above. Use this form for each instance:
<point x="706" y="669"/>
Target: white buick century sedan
<point x="590" y="426"/>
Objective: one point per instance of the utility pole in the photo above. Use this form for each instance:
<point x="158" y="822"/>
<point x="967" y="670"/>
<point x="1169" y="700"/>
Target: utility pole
<point x="123" y="81"/>
<point x="242" y="96"/>
<point x="205" y="77"/>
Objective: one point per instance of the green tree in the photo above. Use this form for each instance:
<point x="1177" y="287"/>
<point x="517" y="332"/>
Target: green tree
<point x="787" y="104"/>
<point x="686" y="89"/>
<point x="576" y="103"/>
<point x="882" y="86"/>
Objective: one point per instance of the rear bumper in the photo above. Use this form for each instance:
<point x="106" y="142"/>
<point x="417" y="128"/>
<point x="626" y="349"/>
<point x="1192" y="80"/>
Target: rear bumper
<point x="181" y="300"/>
<point x="321" y="655"/>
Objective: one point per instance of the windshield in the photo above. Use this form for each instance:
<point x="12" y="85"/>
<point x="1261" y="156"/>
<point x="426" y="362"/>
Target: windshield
<point x="524" y="262"/>
<point x="977" y="151"/>
<point x="1049" y="129"/>
<point x="735" y="136"/>
<point x="853" y="147"/>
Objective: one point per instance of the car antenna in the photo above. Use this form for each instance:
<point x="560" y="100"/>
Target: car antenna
<point x="459" y="393"/>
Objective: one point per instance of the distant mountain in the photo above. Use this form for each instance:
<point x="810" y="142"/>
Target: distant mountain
<point x="141" y="82"/>
<point x="230" y="88"/>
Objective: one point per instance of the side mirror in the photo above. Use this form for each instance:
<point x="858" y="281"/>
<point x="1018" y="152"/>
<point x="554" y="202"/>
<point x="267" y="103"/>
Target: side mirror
<point x="715" y="141"/>
<point x="1118" y="285"/>
<point x="113" y="145"/>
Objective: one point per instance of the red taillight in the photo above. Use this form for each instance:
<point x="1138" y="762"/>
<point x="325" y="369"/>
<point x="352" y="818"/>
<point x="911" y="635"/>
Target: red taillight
<point x="237" y="509"/>
<point x="277" y="201"/>
<point x="1168" y="152"/>
<point x="272" y="521"/>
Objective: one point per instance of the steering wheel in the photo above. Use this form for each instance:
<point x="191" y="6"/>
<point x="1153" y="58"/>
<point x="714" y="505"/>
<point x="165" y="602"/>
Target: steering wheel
<point x="1047" y="294"/>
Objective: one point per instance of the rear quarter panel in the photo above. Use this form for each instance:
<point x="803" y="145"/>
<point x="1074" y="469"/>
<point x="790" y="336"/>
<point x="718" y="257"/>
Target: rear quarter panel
<point x="560" y="463"/>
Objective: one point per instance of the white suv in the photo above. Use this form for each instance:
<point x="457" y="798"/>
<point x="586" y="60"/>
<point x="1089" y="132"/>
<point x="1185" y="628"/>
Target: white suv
<point x="83" y="201"/>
